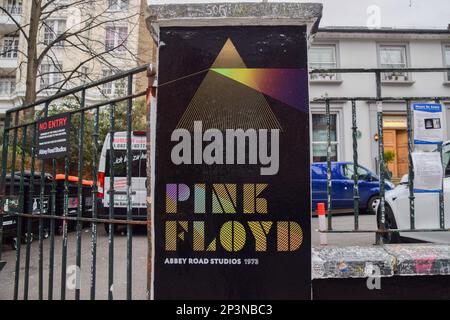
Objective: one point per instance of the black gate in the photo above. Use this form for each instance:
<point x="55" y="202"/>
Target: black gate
<point x="48" y="197"/>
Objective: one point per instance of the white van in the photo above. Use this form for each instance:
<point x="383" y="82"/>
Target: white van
<point x="138" y="176"/>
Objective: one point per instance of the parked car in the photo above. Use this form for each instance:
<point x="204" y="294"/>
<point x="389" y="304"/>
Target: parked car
<point x="426" y="205"/>
<point x="342" y="186"/>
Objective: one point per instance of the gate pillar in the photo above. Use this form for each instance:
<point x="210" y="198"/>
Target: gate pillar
<point x="230" y="151"/>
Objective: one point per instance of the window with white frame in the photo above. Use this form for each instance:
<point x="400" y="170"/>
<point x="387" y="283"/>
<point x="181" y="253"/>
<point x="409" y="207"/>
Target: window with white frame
<point x="51" y="76"/>
<point x="323" y="57"/>
<point x="52" y="30"/>
<point x="14" y="6"/>
<point x="7" y="85"/>
<point x="117" y="5"/>
<point x="447" y="59"/>
<point x="10" y="48"/>
<point x="319" y="138"/>
<point x="112" y="88"/>
<point x="393" y="57"/>
<point x="116" y="38"/>
<point x="84" y="74"/>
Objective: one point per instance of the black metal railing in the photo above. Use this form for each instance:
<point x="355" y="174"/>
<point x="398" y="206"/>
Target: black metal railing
<point x="378" y="99"/>
<point x="21" y="192"/>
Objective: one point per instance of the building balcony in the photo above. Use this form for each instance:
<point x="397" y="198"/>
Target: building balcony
<point x="7" y="25"/>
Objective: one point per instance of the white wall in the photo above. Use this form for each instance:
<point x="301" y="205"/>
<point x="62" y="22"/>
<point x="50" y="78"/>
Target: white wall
<point x="360" y="51"/>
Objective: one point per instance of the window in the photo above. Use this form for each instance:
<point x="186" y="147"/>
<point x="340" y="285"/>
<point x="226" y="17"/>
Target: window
<point x="116" y="38"/>
<point x="52" y="30"/>
<point x="14" y="6"/>
<point x="51" y="75"/>
<point x="10" y="47"/>
<point x="138" y="164"/>
<point x="323" y="57"/>
<point x="117" y="5"/>
<point x="393" y="57"/>
<point x="447" y="59"/>
<point x="112" y="87"/>
<point x="107" y="88"/>
<point x="348" y="172"/>
<point x="7" y="85"/>
<point x="318" y="172"/>
<point x="84" y="74"/>
<point x="319" y="140"/>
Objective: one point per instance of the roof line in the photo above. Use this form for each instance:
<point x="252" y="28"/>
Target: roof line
<point x="383" y="30"/>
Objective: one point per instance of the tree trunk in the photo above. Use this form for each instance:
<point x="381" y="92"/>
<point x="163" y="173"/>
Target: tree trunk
<point x="32" y="61"/>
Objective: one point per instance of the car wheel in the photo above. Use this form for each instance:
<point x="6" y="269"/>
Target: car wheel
<point x="389" y="223"/>
<point x="372" y="204"/>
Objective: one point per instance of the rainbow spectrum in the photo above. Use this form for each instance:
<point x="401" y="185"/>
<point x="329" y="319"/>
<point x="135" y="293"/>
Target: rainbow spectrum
<point x="281" y="84"/>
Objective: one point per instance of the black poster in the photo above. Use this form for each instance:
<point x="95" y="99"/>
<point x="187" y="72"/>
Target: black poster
<point x="232" y="164"/>
<point x="53" y="136"/>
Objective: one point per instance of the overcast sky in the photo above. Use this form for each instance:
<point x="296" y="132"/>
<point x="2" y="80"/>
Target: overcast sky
<point x="394" y="13"/>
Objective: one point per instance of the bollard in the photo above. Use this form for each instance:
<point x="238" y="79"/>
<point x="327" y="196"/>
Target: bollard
<point x="322" y="223"/>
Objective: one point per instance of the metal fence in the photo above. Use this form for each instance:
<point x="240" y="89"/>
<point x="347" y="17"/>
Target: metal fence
<point x="25" y="176"/>
<point x="378" y="99"/>
<point x="19" y="153"/>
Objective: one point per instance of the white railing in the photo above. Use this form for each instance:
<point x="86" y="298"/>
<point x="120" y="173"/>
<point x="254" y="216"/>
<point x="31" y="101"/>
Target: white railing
<point x="395" y="75"/>
<point x="323" y="76"/>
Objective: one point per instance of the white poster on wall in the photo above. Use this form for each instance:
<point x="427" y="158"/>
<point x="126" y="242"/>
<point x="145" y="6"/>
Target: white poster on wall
<point x="428" y="173"/>
<point x="428" y="123"/>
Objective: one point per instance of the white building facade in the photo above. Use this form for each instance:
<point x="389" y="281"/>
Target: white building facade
<point x="9" y="47"/>
<point x="381" y="48"/>
<point x="121" y="37"/>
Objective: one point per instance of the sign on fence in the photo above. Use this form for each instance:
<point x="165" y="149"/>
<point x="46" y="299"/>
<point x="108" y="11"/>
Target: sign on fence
<point x="53" y="136"/>
<point x="428" y="172"/>
<point x="428" y="122"/>
<point x="232" y="164"/>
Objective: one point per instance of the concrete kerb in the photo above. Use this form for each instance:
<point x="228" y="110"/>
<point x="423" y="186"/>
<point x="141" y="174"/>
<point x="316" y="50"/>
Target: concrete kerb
<point x="384" y="261"/>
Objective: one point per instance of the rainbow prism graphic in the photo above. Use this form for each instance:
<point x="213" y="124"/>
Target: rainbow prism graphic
<point x="232" y="95"/>
<point x="280" y="84"/>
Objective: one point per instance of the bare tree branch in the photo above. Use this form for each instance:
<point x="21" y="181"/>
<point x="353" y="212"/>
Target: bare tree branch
<point x="21" y="28"/>
<point x="77" y="40"/>
<point x="65" y="35"/>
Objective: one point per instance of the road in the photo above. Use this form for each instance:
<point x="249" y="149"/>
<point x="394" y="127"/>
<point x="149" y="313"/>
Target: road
<point x="138" y="265"/>
<point x="119" y="289"/>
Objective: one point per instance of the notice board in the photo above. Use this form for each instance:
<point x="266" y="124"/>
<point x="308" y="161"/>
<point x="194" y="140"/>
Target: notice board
<point x="53" y="136"/>
<point x="231" y="195"/>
